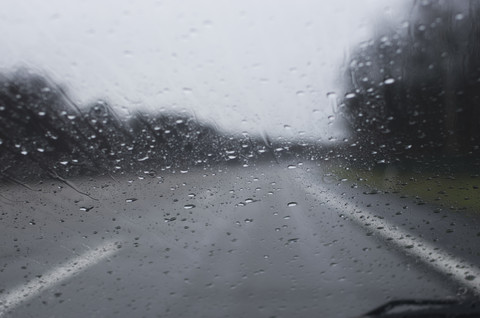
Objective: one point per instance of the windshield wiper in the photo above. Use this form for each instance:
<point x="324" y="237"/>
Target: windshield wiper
<point x="426" y="308"/>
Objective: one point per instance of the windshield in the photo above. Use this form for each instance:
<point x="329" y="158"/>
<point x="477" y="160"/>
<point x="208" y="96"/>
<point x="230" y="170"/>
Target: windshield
<point x="238" y="159"/>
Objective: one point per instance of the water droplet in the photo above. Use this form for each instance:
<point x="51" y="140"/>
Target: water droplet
<point x="332" y="101"/>
<point x="170" y="219"/>
<point x="389" y="81"/>
<point x="188" y="206"/>
<point x="350" y="95"/>
<point x="462" y="291"/>
<point x="289" y="204"/>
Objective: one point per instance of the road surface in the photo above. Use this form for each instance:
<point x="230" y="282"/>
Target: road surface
<point x="272" y="240"/>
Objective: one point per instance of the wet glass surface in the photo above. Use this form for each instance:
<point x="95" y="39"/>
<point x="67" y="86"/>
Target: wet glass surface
<point x="239" y="159"/>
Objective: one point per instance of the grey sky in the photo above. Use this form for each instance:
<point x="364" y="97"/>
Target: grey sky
<point x="244" y="65"/>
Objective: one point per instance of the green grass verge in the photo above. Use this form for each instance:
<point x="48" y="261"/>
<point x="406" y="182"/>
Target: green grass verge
<point x="459" y="191"/>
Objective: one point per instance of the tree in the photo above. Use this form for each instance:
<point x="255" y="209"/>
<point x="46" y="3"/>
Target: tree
<point x="44" y="133"/>
<point x="414" y="91"/>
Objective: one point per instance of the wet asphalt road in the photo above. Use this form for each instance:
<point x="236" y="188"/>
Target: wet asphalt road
<point x="261" y="241"/>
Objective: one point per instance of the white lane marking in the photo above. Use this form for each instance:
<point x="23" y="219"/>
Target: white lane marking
<point x="462" y="272"/>
<point x="25" y="292"/>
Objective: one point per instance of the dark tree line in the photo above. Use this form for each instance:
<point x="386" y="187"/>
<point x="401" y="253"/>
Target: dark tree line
<point x="44" y="133"/>
<point x="413" y="91"/>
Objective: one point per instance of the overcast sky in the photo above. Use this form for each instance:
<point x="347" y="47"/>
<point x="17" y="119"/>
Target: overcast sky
<point x="244" y="65"/>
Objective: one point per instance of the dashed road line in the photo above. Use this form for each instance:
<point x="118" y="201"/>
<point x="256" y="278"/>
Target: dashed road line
<point x="464" y="273"/>
<point x="27" y="291"/>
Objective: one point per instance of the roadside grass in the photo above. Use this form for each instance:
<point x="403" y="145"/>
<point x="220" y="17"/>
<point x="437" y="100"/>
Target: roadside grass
<point x="457" y="191"/>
